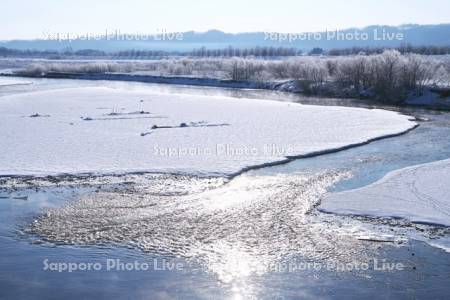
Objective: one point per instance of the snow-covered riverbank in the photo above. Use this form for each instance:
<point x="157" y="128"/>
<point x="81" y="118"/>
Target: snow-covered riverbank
<point x="431" y="97"/>
<point x="103" y="130"/>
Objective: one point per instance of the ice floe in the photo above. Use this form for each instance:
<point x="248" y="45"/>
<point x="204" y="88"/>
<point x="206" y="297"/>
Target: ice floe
<point x="257" y="132"/>
<point x="420" y="194"/>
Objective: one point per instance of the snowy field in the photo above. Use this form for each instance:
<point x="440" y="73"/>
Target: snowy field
<point x="419" y="194"/>
<point x="104" y="130"/>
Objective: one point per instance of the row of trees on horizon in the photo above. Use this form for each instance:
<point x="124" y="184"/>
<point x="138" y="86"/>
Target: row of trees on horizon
<point x="261" y="52"/>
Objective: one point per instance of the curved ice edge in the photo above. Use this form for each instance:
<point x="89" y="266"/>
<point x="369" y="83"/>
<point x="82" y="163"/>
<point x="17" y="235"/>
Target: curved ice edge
<point x="291" y="158"/>
<point x="230" y="176"/>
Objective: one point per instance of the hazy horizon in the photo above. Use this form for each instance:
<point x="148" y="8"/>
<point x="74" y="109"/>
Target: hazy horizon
<point x="138" y="16"/>
<point x="112" y="30"/>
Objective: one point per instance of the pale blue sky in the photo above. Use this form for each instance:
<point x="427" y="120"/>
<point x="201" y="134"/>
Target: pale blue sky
<point x="20" y="19"/>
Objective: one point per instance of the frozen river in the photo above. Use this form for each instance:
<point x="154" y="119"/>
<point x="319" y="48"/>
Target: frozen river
<point x="209" y="237"/>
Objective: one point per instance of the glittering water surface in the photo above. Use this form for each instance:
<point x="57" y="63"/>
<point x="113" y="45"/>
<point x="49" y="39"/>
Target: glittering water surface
<point x="236" y="229"/>
<point x="240" y="228"/>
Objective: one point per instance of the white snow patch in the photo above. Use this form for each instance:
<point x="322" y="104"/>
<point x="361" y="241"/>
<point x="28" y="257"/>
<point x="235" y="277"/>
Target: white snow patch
<point x="258" y="132"/>
<point x="419" y="194"/>
<point x="4" y="81"/>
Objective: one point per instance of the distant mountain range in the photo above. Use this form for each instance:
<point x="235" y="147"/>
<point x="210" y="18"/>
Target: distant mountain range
<point x="377" y="35"/>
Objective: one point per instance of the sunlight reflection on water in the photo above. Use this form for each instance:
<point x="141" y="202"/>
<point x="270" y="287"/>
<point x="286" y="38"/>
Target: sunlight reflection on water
<point x="241" y="228"/>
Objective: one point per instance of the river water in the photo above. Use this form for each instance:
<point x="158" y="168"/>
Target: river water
<point x="241" y="238"/>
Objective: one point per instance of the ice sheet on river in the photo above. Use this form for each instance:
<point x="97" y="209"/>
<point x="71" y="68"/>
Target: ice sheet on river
<point x="420" y="194"/>
<point x="104" y="130"/>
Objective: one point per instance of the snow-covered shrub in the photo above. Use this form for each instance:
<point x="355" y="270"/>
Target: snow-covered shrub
<point x="91" y="67"/>
<point x="352" y="72"/>
<point x="310" y="73"/>
<point x="35" y="69"/>
<point x="245" y="69"/>
<point x="278" y="69"/>
<point x="389" y="76"/>
<point x="442" y="77"/>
